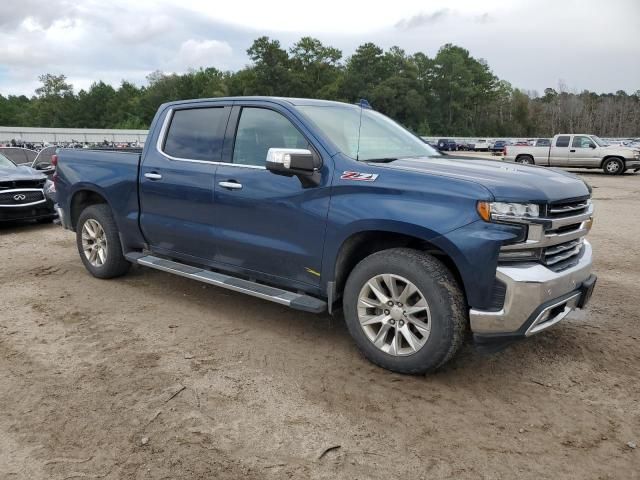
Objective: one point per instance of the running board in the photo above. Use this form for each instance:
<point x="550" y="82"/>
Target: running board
<point x="283" y="297"/>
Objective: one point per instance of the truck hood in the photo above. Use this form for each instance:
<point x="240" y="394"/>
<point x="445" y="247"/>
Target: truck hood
<point x="627" y="152"/>
<point x="19" y="173"/>
<point x="505" y="181"/>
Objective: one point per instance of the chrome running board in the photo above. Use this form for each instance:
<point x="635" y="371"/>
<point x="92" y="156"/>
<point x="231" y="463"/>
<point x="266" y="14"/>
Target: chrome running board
<point x="283" y="297"/>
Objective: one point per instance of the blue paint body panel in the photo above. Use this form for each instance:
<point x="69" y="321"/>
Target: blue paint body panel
<point x="276" y="230"/>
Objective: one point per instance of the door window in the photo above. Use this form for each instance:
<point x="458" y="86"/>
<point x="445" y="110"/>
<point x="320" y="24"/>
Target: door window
<point x="196" y="134"/>
<point x="580" y="141"/>
<point x="259" y="130"/>
<point x="563" y="141"/>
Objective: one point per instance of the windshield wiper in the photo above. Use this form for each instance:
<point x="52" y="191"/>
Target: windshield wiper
<point x="380" y="160"/>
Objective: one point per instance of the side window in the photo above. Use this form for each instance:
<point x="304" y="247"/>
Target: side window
<point x="563" y="141"/>
<point x="259" y="130"/>
<point x="196" y="134"/>
<point x="580" y="141"/>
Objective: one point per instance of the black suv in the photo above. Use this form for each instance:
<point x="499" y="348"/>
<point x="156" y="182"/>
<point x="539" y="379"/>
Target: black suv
<point x="447" y="144"/>
<point x="22" y="195"/>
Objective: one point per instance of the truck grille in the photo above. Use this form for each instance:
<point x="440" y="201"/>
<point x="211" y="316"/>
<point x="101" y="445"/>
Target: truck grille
<point x="558" y="236"/>
<point x="567" y="208"/>
<point x="562" y="256"/>
<point x="16" y="198"/>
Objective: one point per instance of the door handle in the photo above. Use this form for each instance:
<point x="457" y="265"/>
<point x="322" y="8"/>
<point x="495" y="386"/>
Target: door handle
<point x="153" y="176"/>
<point x="572" y="151"/>
<point x="231" y="185"/>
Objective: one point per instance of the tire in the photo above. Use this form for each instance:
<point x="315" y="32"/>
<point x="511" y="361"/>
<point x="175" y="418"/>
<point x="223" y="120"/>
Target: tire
<point x="111" y="262"/>
<point x="445" y="315"/>
<point x="526" y="160"/>
<point x="613" y="166"/>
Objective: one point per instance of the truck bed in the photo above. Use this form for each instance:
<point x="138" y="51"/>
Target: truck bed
<point x="111" y="174"/>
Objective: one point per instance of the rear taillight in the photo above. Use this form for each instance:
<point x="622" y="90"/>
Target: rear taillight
<point x="504" y="151"/>
<point x="54" y="160"/>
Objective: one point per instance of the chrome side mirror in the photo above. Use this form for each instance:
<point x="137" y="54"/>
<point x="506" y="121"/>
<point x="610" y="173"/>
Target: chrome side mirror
<point x="299" y="162"/>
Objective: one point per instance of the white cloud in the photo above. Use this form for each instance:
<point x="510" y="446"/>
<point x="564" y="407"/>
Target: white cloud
<point x="200" y="53"/>
<point x="531" y="43"/>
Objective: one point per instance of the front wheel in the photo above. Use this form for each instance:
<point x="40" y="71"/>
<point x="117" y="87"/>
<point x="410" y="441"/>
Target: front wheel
<point x="405" y="310"/>
<point x="613" y="166"/>
<point x="99" y="243"/>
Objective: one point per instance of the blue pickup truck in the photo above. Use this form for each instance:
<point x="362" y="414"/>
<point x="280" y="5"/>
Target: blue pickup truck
<point x="326" y="206"/>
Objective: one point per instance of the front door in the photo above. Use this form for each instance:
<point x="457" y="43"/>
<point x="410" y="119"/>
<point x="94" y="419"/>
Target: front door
<point x="177" y="179"/>
<point x="583" y="152"/>
<point x="269" y="223"/>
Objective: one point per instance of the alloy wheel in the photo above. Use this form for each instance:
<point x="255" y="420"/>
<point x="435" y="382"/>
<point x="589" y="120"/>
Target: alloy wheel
<point x="94" y="242"/>
<point x="394" y="315"/>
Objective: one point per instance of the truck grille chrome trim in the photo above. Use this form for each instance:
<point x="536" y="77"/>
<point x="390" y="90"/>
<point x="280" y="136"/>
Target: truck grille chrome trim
<point x="560" y="234"/>
<point x="556" y="210"/>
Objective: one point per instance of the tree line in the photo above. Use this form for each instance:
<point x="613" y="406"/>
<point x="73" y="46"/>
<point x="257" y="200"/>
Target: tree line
<point x="450" y="94"/>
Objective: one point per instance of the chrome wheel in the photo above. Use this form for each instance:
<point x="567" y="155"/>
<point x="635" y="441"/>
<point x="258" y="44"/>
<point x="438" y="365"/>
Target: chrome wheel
<point x="612" y="166"/>
<point x="94" y="242"/>
<point x="394" y="315"/>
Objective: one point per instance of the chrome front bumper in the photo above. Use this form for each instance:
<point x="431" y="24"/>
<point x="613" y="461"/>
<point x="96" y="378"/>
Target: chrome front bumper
<point x="536" y="298"/>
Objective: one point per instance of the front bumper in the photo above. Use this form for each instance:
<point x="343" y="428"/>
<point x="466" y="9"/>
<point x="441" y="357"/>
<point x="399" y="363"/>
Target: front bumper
<point x="632" y="165"/>
<point x="35" y="212"/>
<point x="535" y="299"/>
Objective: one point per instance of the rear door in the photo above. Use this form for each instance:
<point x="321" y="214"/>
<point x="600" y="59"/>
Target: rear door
<point x="177" y="179"/>
<point x="559" y="151"/>
<point x="268" y="223"/>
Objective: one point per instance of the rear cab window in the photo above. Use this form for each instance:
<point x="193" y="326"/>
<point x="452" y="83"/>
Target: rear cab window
<point x="196" y="134"/>
<point x="563" y="141"/>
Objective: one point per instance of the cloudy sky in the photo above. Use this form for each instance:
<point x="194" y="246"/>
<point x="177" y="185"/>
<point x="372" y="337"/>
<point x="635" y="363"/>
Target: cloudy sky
<point x="534" y="44"/>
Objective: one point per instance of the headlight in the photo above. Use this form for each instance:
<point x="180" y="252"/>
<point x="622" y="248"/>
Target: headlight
<point x="492" y="210"/>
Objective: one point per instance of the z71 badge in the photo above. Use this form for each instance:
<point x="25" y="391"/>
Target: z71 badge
<point x="359" y="176"/>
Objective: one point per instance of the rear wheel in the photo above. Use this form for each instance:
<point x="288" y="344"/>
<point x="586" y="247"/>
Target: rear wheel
<point x="613" y="166"/>
<point x="99" y="243"/>
<point x="526" y="160"/>
<point x="405" y="310"/>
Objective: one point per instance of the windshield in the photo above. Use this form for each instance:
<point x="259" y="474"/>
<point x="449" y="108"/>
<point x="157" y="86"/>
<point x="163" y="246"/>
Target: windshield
<point x="5" y="162"/>
<point x="599" y="141"/>
<point x="375" y="138"/>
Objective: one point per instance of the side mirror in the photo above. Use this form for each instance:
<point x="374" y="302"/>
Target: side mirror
<point x="43" y="166"/>
<point x="592" y="145"/>
<point x="298" y="162"/>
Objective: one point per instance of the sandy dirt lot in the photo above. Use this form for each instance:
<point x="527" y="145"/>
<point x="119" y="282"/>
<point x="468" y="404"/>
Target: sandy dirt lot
<point x="156" y="376"/>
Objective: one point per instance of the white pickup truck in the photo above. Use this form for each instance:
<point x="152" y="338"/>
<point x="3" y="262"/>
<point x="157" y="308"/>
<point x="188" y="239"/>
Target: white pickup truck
<point x="580" y="151"/>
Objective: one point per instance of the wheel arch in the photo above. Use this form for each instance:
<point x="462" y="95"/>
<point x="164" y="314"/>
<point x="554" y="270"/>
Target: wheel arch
<point x="81" y="199"/>
<point x="525" y="155"/>
<point x="361" y="244"/>
<point x="610" y="157"/>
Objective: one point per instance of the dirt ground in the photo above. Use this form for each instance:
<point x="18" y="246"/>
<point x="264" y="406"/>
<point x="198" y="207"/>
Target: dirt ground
<point x="155" y="376"/>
